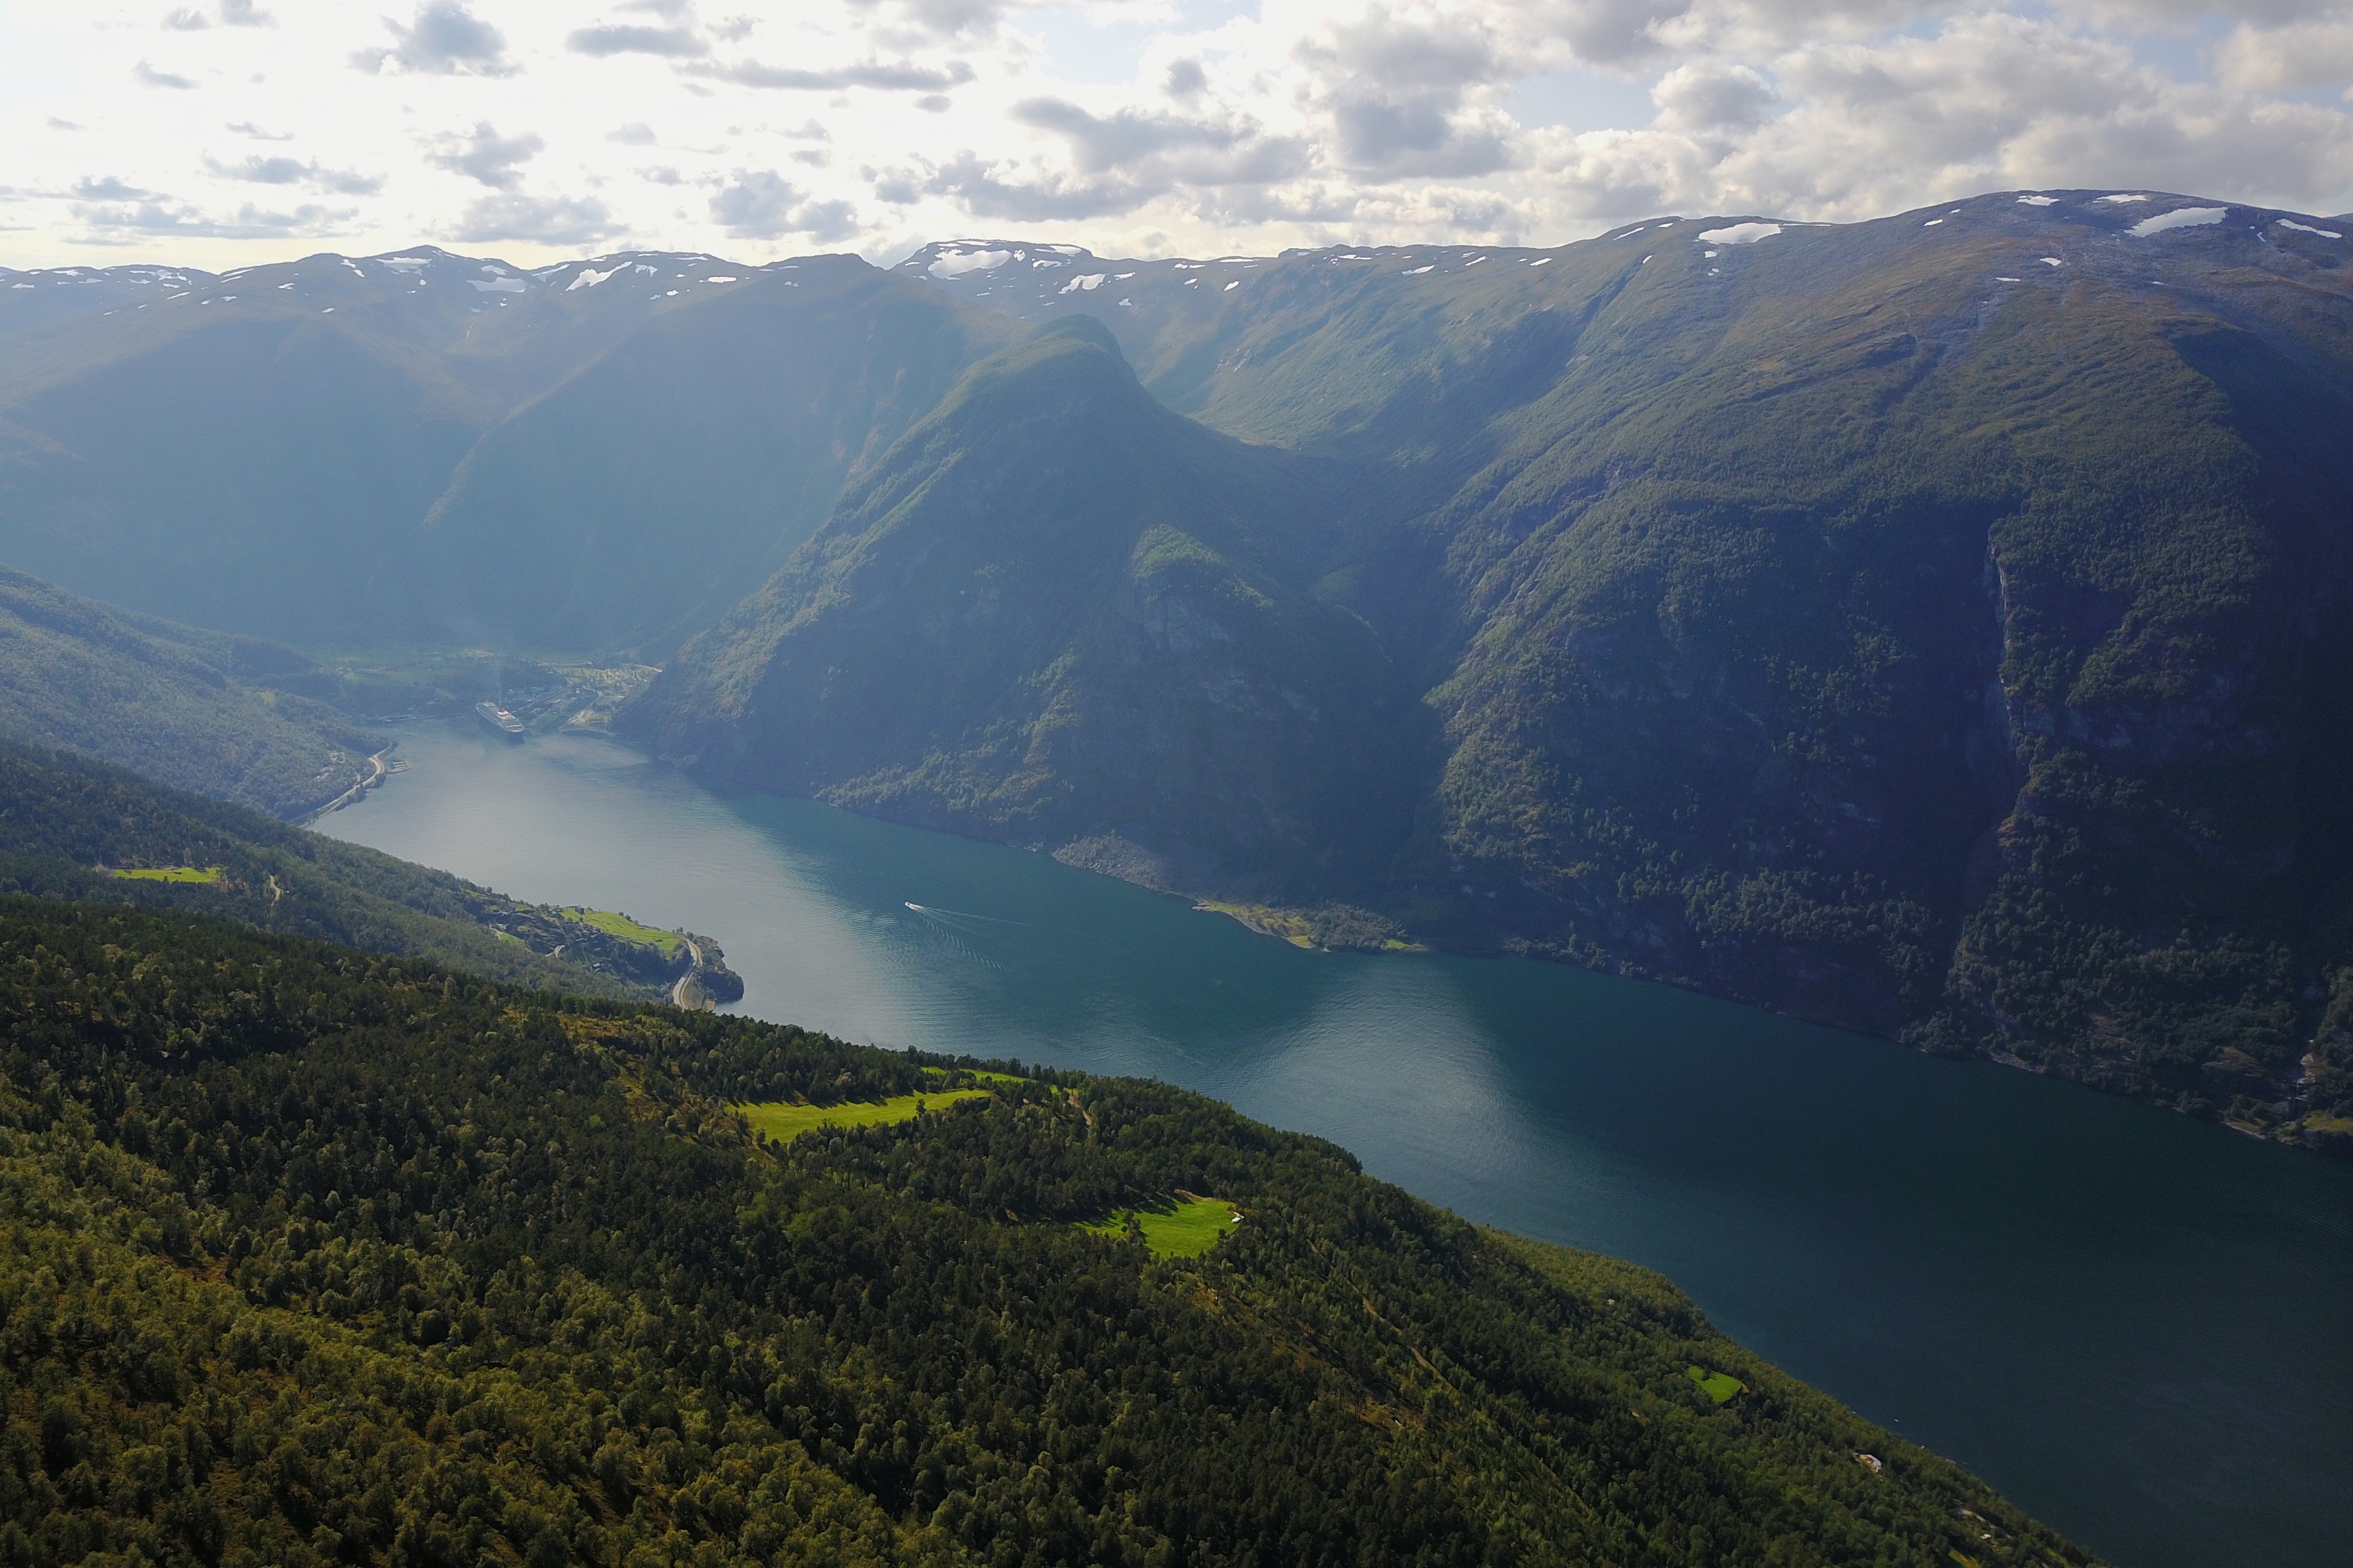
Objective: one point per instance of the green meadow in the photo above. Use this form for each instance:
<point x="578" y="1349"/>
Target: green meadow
<point x="784" y="1122"/>
<point x="628" y="929"/>
<point x="169" y="874"/>
<point x="1186" y="1229"/>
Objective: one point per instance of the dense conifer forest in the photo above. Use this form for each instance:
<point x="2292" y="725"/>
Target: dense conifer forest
<point x="314" y="1256"/>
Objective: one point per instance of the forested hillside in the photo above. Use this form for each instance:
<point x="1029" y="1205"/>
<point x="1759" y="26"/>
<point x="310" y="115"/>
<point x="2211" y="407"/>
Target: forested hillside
<point x="325" y="1257"/>
<point x="72" y="828"/>
<point x="1056" y="611"/>
<point x="177" y="703"/>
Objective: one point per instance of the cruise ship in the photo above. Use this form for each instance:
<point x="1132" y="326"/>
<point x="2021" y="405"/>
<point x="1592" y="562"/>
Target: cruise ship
<point x="498" y="718"/>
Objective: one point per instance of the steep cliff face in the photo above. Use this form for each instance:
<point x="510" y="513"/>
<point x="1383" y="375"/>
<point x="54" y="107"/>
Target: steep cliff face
<point x="1730" y="699"/>
<point x="2168" y="880"/>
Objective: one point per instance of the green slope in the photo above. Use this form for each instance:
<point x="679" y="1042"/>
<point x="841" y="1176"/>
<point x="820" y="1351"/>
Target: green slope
<point x="1056" y="612"/>
<point x="74" y="828"/>
<point x="323" y="1258"/>
<point x="170" y="702"/>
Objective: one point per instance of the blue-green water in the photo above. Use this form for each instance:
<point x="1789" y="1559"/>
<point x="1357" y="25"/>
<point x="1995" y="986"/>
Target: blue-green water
<point x="2139" y="1327"/>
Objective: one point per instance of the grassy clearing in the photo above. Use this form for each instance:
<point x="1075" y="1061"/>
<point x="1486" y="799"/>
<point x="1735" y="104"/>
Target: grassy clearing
<point x="628" y="929"/>
<point x="1188" y="1229"/>
<point x="169" y="873"/>
<point x="784" y="1122"/>
<point x="1338" y="928"/>
<point x="1717" y="1386"/>
<point x="1264" y="921"/>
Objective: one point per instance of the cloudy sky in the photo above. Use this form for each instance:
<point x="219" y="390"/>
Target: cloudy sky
<point x="224" y="131"/>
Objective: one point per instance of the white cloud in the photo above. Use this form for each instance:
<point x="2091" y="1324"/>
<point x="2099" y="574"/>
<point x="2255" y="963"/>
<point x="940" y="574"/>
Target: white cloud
<point x="444" y="39"/>
<point x="898" y="75"/>
<point x="2310" y="52"/>
<point x="233" y="14"/>
<point x="260" y="170"/>
<point x="622" y="39"/>
<point x="877" y="124"/>
<point x="148" y="76"/>
<point x="1988" y="101"/>
<point x="139" y="221"/>
<point x="542" y="220"/>
<point x="762" y="204"/>
<point x="485" y="156"/>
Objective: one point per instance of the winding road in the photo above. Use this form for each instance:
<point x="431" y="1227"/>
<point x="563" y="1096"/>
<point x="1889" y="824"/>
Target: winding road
<point x="679" y="994"/>
<point x="381" y="768"/>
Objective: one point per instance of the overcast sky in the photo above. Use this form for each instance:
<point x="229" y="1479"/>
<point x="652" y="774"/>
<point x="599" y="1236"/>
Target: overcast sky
<point x="237" y="131"/>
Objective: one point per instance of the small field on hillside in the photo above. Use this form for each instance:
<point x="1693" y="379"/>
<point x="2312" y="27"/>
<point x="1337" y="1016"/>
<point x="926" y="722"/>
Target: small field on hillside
<point x="628" y="929"/>
<point x="784" y="1122"/>
<point x="169" y="874"/>
<point x="1188" y="1229"/>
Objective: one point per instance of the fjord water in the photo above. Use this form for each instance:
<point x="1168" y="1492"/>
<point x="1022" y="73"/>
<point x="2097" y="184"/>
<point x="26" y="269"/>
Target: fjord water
<point x="2139" y="1327"/>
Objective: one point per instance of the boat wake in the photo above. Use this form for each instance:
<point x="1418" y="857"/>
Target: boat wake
<point x="951" y="916"/>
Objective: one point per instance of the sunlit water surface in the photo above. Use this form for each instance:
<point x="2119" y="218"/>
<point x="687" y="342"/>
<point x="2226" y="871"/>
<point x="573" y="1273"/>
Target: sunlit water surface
<point x="2139" y="1327"/>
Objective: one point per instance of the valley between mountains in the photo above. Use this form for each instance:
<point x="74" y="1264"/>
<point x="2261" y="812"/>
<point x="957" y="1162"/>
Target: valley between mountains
<point x="1934" y="626"/>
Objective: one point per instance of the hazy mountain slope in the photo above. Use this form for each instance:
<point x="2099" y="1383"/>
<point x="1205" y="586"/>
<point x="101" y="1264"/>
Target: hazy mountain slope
<point x="291" y="450"/>
<point x="241" y="456"/>
<point x="66" y="823"/>
<point x="632" y="504"/>
<point x="1925" y="624"/>
<point x="1056" y="611"/>
<point x="326" y="1257"/>
<point x="37" y="297"/>
<point x="168" y="701"/>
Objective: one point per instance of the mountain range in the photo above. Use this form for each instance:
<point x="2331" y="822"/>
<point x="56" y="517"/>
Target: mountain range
<point x="1931" y="625"/>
